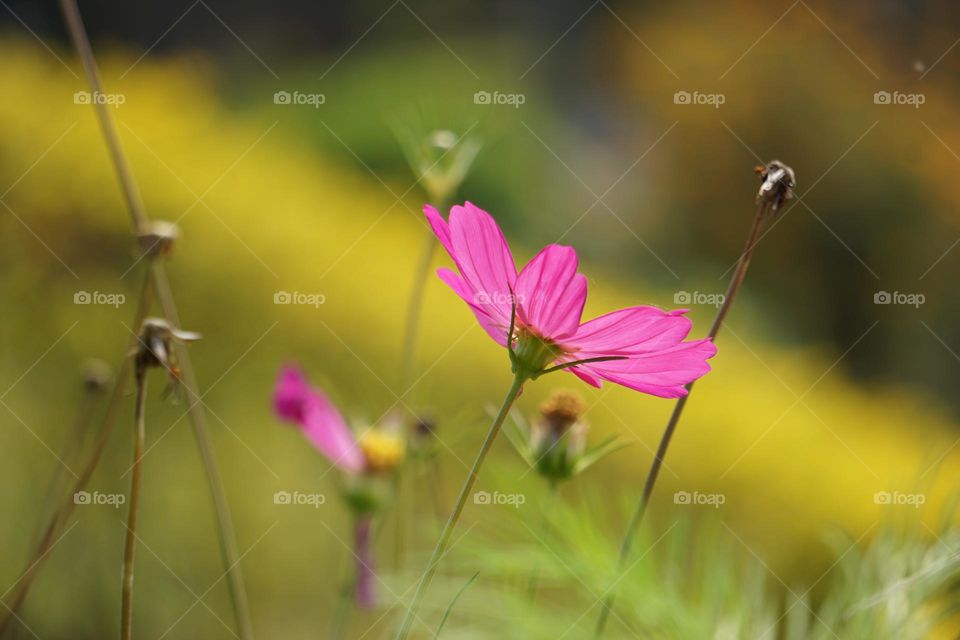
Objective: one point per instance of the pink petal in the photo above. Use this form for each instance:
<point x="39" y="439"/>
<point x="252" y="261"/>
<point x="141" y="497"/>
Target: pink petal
<point x="551" y="294"/>
<point x="296" y="401"/>
<point x="440" y="228"/>
<point x="496" y="330"/>
<point x="632" y="330"/>
<point x="291" y="391"/>
<point x="326" y="429"/>
<point x="664" y="373"/>
<point x="484" y="259"/>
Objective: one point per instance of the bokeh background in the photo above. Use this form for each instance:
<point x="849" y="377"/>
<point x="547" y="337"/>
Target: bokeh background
<point x="821" y="395"/>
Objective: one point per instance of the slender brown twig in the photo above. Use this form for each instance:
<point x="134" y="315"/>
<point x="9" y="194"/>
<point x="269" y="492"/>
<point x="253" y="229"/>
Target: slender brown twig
<point x="130" y="542"/>
<point x="228" y="547"/>
<point x="778" y="181"/>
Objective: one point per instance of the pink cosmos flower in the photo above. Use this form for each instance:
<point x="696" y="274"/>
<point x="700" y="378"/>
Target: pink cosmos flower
<point x="646" y="342"/>
<point x="306" y="406"/>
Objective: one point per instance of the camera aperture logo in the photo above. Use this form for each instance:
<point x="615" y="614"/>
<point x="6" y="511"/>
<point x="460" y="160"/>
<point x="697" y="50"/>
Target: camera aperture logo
<point x="299" y="498"/>
<point x="510" y="99"/>
<point x="98" y="297"/>
<point x="899" y="298"/>
<point x="96" y="498"/>
<point x="898" y="98"/>
<point x="299" y="298"/>
<point x="696" y="498"/>
<point x="298" y="98"/>
<point x="895" y="498"/>
<point x="110" y="99"/>
<point x="698" y="98"/>
<point x="699" y="297"/>
<point x="515" y="500"/>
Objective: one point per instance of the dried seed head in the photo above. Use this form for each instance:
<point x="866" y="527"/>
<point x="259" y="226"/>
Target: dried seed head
<point x="158" y="238"/>
<point x="96" y="375"/>
<point x="777" y="181"/>
<point x="155" y="348"/>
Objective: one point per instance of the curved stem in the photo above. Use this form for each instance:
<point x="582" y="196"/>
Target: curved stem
<point x="139" y="437"/>
<point x="61" y="516"/>
<point x="465" y="490"/>
<point x="635" y="521"/>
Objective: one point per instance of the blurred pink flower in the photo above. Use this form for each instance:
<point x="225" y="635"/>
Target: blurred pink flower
<point x="306" y="406"/>
<point x="550" y="296"/>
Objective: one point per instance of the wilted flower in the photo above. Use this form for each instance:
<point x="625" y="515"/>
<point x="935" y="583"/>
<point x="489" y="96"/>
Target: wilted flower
<point x="555" y="442"/>
<point x="639" y="347"/>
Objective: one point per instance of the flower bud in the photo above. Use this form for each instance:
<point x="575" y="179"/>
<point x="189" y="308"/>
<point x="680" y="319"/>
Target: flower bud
<point x="558" y="437"/>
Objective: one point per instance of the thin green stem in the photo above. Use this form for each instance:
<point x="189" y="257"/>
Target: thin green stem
<point x="444" y="540"/>
<point x="345" y="603"/>
<point x="228" y="546"/>
<point x="414" y="306"/>
<point x="763" y="209"/>
<point x="547" y="508"/>
<point x="60" y="517"/>
<point x="129" y="547"/>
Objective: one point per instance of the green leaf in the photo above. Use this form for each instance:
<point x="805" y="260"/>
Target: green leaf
<point x="456" y="597"/>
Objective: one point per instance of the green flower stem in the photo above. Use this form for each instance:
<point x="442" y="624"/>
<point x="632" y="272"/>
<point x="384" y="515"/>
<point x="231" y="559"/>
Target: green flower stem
<point x="515" y="389"/>
<point x="547" y="508"/>
<point x="139" y="438"/>
<point x="763" y="209"/>
<point x="412" y="325"/>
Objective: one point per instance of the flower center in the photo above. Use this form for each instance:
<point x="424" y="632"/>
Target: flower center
<point x="383" y="451"/>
